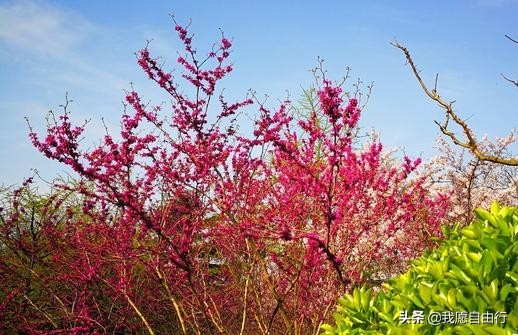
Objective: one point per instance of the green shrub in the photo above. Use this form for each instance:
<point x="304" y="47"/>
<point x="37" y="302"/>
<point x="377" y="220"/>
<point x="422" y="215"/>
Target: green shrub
<point x="473" y="273"/>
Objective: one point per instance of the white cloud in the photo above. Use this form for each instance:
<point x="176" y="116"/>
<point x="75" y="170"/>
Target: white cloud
<point x="41" y="28"/>
<point x="54" y="47"/>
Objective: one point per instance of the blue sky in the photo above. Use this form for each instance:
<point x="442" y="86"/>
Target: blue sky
<point x="48" y="48"/>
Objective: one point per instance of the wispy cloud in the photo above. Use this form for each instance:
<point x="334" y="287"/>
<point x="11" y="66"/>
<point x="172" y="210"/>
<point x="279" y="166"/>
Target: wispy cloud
<point x="54" y="47"/>
<point x="41" y="28"/>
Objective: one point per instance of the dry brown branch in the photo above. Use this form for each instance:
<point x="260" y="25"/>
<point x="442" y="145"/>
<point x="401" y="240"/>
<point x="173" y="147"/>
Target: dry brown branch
<point x="514" y="82"/>
<point x="511" y="39"/>
<point x="469" y="142"/>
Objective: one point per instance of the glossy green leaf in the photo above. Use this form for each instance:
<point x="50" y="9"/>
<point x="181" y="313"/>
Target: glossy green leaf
<point x="476" y="269"/>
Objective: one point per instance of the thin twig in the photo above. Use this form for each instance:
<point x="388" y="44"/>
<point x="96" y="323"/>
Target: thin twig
<point x="470" y="142"/>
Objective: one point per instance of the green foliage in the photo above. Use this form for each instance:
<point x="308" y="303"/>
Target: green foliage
<point x="474" y="272"/>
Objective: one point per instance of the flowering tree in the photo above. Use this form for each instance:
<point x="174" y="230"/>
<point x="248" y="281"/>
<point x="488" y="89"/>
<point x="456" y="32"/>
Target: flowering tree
<point x="473" y="182"/>
<point x="192" y="227"/>
<point x="488" y="174"/>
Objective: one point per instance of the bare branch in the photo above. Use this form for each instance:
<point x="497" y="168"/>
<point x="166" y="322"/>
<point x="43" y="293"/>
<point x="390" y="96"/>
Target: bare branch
<point x="511" y="39"/>
<point x="470" y="141"/>
<point x="514" y="82"/>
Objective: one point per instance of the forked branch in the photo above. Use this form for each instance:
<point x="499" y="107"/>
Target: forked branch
<point x="469" y="141"/>
<point x="514" y="82"/>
